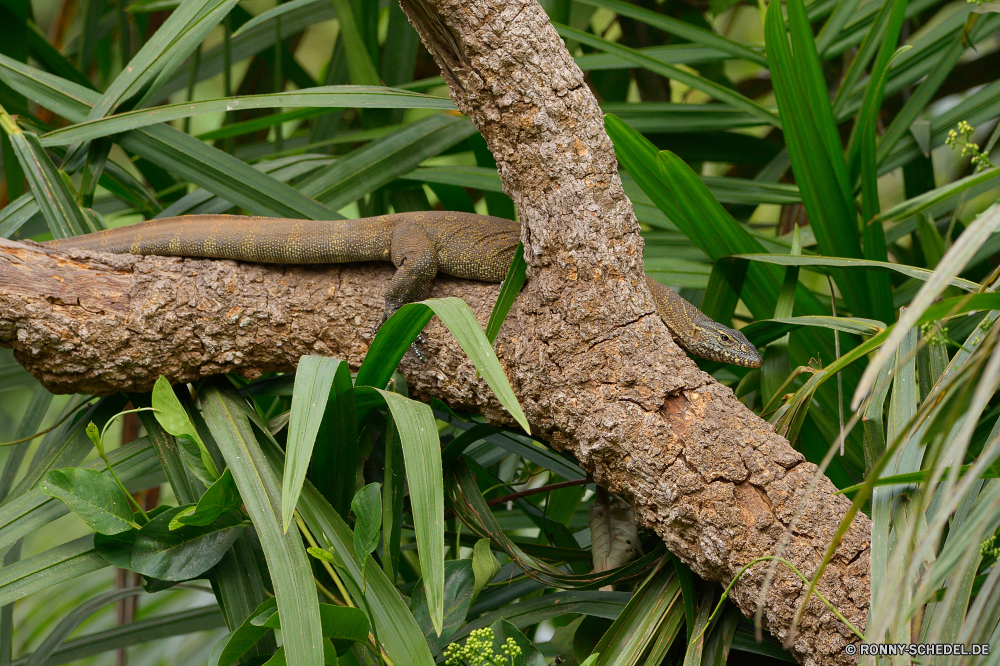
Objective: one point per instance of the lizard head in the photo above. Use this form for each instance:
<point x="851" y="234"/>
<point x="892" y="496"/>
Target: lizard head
<point x="716" y="342"/>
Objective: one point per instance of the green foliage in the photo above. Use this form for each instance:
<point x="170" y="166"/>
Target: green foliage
<point x="887" y="116"/>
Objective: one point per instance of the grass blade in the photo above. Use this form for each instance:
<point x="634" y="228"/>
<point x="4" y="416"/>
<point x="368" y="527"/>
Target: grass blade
<point x="719" y="92"/>
<point x="287" y="562"/>
<point x="314" y="382"/>
<point x="368" y="97"/>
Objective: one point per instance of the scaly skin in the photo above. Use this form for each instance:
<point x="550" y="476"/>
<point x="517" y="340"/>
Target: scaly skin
<point x="474" y="247"/>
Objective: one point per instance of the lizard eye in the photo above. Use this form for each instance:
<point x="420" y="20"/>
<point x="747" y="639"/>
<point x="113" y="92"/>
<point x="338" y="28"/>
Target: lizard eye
<point x="725" y="338"/>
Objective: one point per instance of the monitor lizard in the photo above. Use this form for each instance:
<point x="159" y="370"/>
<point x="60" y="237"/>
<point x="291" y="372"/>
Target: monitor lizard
<point x="474" y="247"/>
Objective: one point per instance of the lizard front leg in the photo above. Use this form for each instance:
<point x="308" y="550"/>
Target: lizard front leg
<point x="414" y="253"/>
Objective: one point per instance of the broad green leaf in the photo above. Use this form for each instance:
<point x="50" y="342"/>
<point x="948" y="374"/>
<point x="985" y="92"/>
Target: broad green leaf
<point x="368" y="97"/>
<point x="228" y="650"/>
<point x="719" y="92"/>
<point x="173" y="418"/>
<point x="186" y="552"/>
<point x="339" y="623"/>
<point x="135" y="464"/>
<point x="505" y="635"/>
<point x="314" y="385"/>
<point x="485" y="566"/>
<point x="509" y="290"/>
<point x="167" y="450"/>
<point x="394" y="338"/>
<point x="459" y="582"/>
<point x="221" y="498"/>
<point x="367" y="508"/>
<point x="116" y="549"/>
<point x="329" y="656"/>
<point x="286" y="558"/>
<point x="92" y="496"/>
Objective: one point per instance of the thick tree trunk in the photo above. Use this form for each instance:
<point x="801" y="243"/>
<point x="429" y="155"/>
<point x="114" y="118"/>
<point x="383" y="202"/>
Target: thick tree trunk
<point x="593" y="366"/>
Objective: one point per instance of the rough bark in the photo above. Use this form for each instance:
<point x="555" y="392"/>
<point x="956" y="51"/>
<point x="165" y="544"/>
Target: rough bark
<point x="593" y="366"/>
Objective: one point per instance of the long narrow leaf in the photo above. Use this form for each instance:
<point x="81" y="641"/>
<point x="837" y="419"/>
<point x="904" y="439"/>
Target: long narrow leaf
<point x="259" y="488"/>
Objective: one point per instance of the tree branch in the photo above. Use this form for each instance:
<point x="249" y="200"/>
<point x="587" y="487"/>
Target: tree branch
<point x="592" y="364"/>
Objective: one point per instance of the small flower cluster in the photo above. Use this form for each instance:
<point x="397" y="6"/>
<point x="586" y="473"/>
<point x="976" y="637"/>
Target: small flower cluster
<point x="961" y="137"/>
<point x="934" y="337"/>
<point x="990" y="547"/>
<point x="478" y="651"/>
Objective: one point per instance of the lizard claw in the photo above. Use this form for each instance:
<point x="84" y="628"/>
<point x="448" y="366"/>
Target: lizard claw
<point x="416" y="351"/>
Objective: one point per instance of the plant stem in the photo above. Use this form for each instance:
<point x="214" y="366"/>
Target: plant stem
<point x="725" y="595"/>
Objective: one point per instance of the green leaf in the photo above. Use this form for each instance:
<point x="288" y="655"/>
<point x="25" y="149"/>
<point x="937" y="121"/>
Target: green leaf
<point x="286" y="557"/>
<point x="221" y="498"/>
<point x="205" y="618"/>
<point x="395" y="337"/>
<point x="16" y="213"/>
<point x="359" y="63"/>
<point x="92" y="496"/>
<point x="683" y="29"/>
<point x="654" y="604"/>
<point x="459" y="582"/>
<point x="511" y="287"/>
<point x="228" y="650"/>
<point x="186" y="552"/>
<point x="173" y="418"/>
<point x="56" y="201"/>
<point x="719" y="92"/>
<point x="329" y="656"/>
<point x="814" y="146"/>
<point x="382" y="161"/>
<point x="314" y="387"/>
<point x="172" y="150"/>
<point x="367" y="507"/>
<point x="485" y="566"/>
<point x="68" y="624"/>
<point x="921" y="274"/>
<point x="116" y="549"/>
<point x="398" y="631"/>
<point x="163" y="53"/>
<point x="950" y="265"/>
<point x="339" y="623"/>
<point x="505" y="633"/>
<point x="49" y="568"/>
<point x="422" y="456"/>
<point x="367" y="97"/>
<point x="95" y="436"/>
